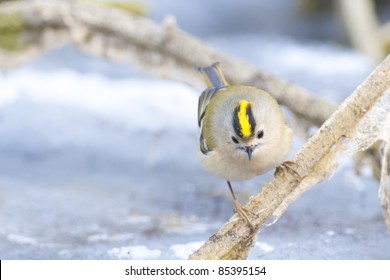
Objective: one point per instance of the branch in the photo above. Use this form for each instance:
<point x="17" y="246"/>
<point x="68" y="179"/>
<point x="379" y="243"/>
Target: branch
<point x="22" y="39"/>
<point x="362" y="26"/>
<point x="354" y="121"/>
<point x="163" y="50"/>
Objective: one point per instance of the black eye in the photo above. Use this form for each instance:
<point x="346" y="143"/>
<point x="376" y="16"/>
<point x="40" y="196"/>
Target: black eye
<point x="234" y="139"/>
<point x="260" y="134"/>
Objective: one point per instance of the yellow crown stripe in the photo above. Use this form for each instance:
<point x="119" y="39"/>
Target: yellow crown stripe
<point x="243" y="118"/>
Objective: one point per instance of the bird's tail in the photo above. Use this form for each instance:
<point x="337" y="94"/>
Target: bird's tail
<point x="213" y="76"/>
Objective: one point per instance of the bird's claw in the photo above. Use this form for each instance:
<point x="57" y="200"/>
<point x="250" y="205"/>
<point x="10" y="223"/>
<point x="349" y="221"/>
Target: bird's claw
<point x="288" y="166"/>
<point x="242" y="212"/>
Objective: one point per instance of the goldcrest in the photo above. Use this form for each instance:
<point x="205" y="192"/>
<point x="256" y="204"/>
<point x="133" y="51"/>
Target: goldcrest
<point x="243" y="132"/>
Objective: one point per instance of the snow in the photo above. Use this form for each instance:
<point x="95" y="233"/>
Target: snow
<point x="20" y="239"/>
<point x="263" y="246"/>
<point x="134" y="252"/>
<point x="183" y="251"/>
<point x="98" y="161"/>
<point x="126" y="102"/>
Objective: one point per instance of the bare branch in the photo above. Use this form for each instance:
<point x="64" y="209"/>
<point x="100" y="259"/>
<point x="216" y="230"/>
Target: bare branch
<point x="163" y="50"/>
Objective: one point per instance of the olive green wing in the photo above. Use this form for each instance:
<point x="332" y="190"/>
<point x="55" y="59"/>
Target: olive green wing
<point x="204" y="100"/>
<point x="215" y="82"/>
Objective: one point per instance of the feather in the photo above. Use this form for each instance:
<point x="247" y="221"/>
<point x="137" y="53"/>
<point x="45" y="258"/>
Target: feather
<point x="215" y="82"/>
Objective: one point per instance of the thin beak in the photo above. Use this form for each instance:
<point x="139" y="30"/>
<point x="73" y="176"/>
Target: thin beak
<point x="249" y="150"/>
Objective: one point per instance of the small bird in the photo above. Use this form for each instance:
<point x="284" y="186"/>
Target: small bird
<point x="243" y="132"/>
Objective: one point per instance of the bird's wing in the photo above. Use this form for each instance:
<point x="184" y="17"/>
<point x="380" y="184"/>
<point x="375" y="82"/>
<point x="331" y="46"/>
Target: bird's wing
<point x="204" y="100"/>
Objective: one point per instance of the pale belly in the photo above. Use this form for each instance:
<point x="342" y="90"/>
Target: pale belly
<point x="241" y="168"/>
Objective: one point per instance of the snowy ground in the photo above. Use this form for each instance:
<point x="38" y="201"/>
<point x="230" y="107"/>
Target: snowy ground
<point x="98" y="161"/>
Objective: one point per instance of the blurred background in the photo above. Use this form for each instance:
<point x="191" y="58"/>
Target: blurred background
<point x="98" y="160"/>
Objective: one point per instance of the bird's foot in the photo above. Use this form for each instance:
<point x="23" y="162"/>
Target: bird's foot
<point x="290" y="167"/>
<point x="243" y="212"/>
